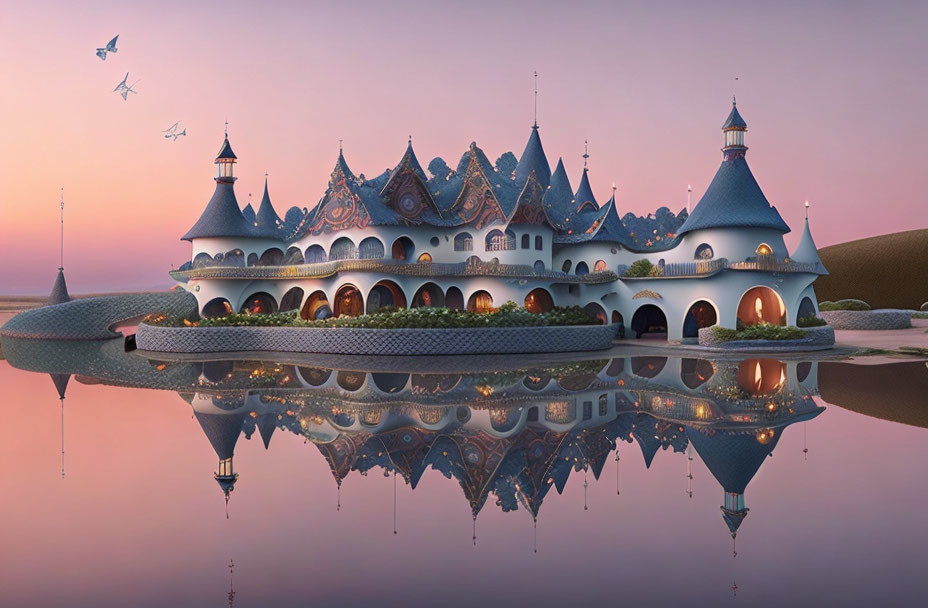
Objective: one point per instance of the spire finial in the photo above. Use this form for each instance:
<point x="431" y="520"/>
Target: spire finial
<point x="613" y="189"/>
<point x="734" y="86"/>
<point x="807" y="210"/>
<point x="586" y="152"/>
<point x="339" y="146"/>
<point x="61" y="239"/>
<point x="226" y="130"/>
<point x="535" y="123"/>
<point x="410" y="140"/>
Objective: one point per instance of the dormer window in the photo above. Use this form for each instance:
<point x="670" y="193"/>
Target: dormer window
<point x="704" y="252"/>
<point x="763" y="249"/>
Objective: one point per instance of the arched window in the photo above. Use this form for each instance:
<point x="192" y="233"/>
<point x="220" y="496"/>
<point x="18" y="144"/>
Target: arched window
<point x="499" y="241"/>
<point x="236" y="257"/>
<point x="294" y="256"/>
<point x="539" y="266"/>
<point x="370" y="249"/>
<point x="259" y="303"/>
<point x="463" y="242"/>
<point x="582" y="269"/>
<point x="402" y="249"/>
<point x="526" y="240"/>
<point x="425" y="258"/>
<point x="316" y="307"/>
<point x="763" y="249"/>
<point x="761" y="305"/>
<point x="597" y="312"/>
<point x="539" y="243"/>
<point x="385" y="294"/>
<point x="343" y="249"/>
<point x="599" y="266"/>
<point x="202" y="260"/>
<point x="429" y="295"/>
<point x="454" y="299"/>
<point x="349" y="301"/>
<point x="315" y="255"/>
<point x="292" y="299"/>
<point x="538" y="300"/>
<point x="480" y="301"/>
<point x="217" y="307"/>
<point x="566" y="266"/>
<point x="704" y="252"/>
<point x="271" y="257"/>
<point x="700" y="315"/>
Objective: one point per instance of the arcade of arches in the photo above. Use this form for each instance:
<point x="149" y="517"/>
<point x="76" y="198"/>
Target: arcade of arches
<point x="348" y="301"/>
<point x="538" y="301"/>
<point x="701" y="314"/>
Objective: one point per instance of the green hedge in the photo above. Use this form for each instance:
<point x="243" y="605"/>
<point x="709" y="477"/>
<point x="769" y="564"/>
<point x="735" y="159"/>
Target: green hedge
<point x="848" y="304"/>
<point x="810" y="321"/>
<point x="643" y="268"/>
<point x="508" y="315"/>
<point x="761" y="331"/>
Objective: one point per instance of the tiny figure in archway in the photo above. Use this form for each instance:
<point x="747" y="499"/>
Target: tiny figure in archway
<point x="109" y="48"/>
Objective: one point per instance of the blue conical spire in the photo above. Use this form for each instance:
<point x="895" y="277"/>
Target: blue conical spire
<point x="267" y="221"/>
<point x="533" y="159"/>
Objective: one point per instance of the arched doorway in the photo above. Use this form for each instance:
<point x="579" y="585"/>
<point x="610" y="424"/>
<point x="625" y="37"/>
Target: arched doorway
<point x="343" y="249"/>
<point x="480" y="301"/>
<point x="618" y="320"/>
<point x="454" y="299"/>
<point x="701" y="314"/>
<point x="696" y="372"/>
<point x="402" y="249"/>
<point x="582" y="269"/>
<point x="215" y="308"/>
<point x="259" y="303"/>
<point x="385" y="294"/>
<point x="292" y="299"/>
<point x="538" y="300"/>
<point x="761" y="305"/>
<point x="806" y="308"/>
<point x="649" y="320"/>
<point x="349" y="301"/>
<point x="597" y="312"/>
<point x="429" y="294"/>
<point x="760" y="377"/>
<point x="316" y="307"/>
<point x="271" y="257"/>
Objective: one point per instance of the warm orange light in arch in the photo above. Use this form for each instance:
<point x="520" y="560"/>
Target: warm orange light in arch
<point x="761" y="305"/>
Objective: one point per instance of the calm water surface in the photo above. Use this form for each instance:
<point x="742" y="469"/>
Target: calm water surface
<point x="334" y="455"/>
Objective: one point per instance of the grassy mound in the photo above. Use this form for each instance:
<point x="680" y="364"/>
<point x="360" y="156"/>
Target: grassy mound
<point x="888" y="271"/>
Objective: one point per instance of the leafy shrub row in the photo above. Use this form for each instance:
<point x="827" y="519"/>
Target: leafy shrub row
<point x="848" y="304"/>
<point x="810" y="321"/>
<point x="760" y="331"/>
<point x="643" y="268"/>
<point x="508" y="315"/>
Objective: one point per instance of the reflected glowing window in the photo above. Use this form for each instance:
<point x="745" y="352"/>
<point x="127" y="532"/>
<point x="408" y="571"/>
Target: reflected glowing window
<point x="763" y="249"/>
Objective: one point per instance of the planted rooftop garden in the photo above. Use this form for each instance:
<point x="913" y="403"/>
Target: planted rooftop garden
<point x="507" y="315"/>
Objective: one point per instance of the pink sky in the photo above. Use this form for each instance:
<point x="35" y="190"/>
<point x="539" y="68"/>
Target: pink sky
<point x="832" y="94"/>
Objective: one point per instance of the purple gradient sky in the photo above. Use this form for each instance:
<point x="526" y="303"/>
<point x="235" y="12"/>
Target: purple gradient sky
<point x="832" y="93"/>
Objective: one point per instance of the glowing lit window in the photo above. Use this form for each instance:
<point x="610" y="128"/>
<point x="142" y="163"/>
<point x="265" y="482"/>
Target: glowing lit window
<point x="763" y="249"/>
<point x="599" y="266"/>
<point x="425" y="258"/>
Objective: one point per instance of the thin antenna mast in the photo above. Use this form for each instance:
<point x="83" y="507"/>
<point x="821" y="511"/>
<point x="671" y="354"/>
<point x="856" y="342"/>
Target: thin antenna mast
<point x="689" y="192"/>
<point x="61" y="238"/>
<point x="535" y="124"/>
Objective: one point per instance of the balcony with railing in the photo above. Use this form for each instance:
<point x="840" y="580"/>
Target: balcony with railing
<point x="682" y="270"/>
<point x="769" y="263"/>
<point x="472" y="268"/>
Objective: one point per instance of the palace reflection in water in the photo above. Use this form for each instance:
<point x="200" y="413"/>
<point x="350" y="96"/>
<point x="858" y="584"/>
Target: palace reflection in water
<point x="506" y="437"/>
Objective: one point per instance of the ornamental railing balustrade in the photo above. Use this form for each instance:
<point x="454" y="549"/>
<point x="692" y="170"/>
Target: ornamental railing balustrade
<point x="769" y="263"/>
<point x="472" y="267"/>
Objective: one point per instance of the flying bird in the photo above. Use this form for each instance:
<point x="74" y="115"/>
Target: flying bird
<point x="124" y="89"/>
<point x="109" y="48"/>
<point x="172" y="131"/>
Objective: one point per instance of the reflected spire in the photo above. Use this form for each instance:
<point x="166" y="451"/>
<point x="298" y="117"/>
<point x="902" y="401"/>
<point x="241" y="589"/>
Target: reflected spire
<point x="805" y="448"/>
<point x="617" y="492"/>
<point x="586" y="484"/>
<point x="534" y="534"/>
<point x="474" y="538"/>
<point x="394" y="501"/>
<point x="231" y="594"/>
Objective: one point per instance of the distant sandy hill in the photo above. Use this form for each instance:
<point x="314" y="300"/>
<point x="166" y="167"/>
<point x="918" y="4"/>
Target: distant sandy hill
<point x="889" y="271"/>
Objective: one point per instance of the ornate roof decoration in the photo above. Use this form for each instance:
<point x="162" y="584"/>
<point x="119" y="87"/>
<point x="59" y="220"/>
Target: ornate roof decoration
<point x="406" y="191"/>
<point x="341" y="207"/>
<point x="222" y="430"/>
<point x="533" y="159"/>
<point x="612" y="229"/>
<point x="583" y="198"/>
<point x="807" y="253"/>
<point x="559" y="198"/>
<point x="225" y="152"/>
<point x="477" y="203"/>
<point x="734" y="120"/>
<point x="267" y="222"/>
<point x="222" y="217"/>
<point x="647" y="293"/>
<point x="733" y="199"/>
<point x="529" y="208"/>
<point x="343" y="453"/>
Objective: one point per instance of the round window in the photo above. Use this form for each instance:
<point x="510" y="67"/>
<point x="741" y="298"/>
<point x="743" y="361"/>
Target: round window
<point x="433" y="241"/>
